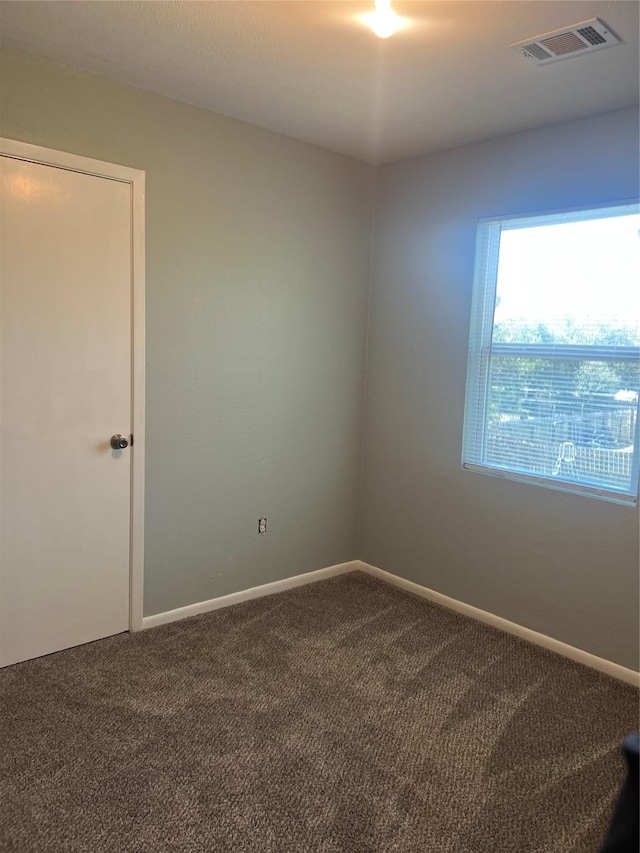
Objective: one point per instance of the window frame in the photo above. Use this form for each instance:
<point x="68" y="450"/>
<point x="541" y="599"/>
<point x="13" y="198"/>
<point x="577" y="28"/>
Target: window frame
<point x="482" y="350"/>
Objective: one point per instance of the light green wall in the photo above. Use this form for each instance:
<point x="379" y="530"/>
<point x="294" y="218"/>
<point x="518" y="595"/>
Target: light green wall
<point x="258" y="250"/>
<point x="564" y="565"/>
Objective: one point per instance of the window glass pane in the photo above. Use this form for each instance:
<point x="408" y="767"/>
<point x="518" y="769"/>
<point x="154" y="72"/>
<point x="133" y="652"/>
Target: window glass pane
<point x="570" y="283"/>
<point x="553" y="382"/>
<point x="573" y="420"/>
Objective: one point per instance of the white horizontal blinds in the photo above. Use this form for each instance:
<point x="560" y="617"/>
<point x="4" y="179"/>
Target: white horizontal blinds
<point x="561" y="418"/>
<point x="556" y="397"/>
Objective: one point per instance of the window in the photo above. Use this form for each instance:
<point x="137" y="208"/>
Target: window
<point x="554" y="352"/>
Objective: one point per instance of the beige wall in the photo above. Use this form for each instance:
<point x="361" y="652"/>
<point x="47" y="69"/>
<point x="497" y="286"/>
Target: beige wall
<point x="561" y="564"/>
<point x="258" y="250"/>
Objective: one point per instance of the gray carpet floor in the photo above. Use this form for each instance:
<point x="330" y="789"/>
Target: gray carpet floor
<point x="342" y="716"/>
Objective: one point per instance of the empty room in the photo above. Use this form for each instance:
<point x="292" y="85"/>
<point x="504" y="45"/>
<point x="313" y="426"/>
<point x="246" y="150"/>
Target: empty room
<point x="320" y="434"/>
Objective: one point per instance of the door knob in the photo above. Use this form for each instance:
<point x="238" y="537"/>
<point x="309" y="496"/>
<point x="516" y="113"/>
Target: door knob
<point x="119" y="442"/>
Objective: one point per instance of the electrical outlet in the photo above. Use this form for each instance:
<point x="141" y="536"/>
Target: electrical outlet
<point x="262" y="525"/>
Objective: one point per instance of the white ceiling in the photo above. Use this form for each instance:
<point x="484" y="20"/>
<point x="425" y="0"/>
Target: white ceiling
<point x="311" y="70"/>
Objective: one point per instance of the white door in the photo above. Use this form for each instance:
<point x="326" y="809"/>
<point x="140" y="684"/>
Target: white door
<point x="65" y="389"/>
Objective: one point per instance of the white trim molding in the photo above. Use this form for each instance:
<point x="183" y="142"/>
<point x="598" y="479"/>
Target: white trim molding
<point x="247" y="594"/>
<point x="622" y="673"/>
<point x="579" y="655"/>
<point x="136" y="179"/>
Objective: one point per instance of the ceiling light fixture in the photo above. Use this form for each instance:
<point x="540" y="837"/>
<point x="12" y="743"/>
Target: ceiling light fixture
<point x="384" y="21"/>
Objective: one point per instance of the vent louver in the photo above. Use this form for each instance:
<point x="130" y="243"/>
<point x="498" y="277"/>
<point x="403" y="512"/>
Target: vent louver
<point x="561" y="44"/>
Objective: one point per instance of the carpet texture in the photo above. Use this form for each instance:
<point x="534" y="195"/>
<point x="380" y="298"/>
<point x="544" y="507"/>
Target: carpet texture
<point x="342" y="716"/>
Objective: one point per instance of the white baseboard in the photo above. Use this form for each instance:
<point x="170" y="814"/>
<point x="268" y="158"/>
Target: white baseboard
<point x="247" y="594"/>
<point x="579" y="655"/>
<point x="586" y="658"/>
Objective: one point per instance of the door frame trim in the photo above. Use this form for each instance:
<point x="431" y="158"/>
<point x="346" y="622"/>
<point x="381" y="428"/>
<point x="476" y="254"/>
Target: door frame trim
<point x="136" y="179"/>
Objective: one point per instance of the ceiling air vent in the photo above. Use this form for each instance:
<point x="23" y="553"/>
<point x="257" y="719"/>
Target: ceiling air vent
<point x="570" y="41"/>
